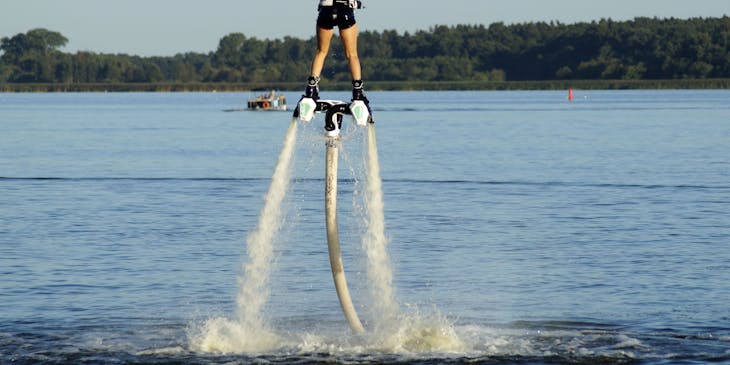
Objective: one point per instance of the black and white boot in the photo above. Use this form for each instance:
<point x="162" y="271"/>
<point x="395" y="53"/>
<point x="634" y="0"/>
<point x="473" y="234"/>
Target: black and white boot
<point x="358" y="93"/>
<point x="307" y="105"/>
<point x="312" y="89"/>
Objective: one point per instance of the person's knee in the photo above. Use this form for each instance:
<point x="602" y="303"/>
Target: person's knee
<point x="322" y="52"/>
<point x="352" y="56"/>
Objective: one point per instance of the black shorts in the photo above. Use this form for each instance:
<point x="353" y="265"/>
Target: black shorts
<point x="342" y="17"/>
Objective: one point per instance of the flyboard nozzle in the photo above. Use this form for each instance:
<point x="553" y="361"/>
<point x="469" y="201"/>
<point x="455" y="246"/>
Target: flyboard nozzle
<point x="333" y="121"/>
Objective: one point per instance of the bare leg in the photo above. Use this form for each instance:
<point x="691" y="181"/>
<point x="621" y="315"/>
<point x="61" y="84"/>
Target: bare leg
<point x="349" y="40"/>
<point x="324" y="38"/>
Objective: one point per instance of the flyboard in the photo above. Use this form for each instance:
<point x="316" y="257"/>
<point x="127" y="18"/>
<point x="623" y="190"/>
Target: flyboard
<point x="334" y="111"/>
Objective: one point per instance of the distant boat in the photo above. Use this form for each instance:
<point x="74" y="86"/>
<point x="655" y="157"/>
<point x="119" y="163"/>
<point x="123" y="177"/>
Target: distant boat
<point x="268" y="101"/>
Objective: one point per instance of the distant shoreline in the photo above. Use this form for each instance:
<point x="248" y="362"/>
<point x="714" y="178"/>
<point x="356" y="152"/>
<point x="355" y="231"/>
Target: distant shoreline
<point x="372" y="86"/>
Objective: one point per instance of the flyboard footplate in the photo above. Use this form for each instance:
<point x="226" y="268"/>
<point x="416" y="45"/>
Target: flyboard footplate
<point x="358" y="109"/>
<point x="307" y="107"/>
<point x="360" y="112"/>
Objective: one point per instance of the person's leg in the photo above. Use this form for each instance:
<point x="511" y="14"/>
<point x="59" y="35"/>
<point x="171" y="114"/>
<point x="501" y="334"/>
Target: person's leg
<point x="324" y="38"/>
<point x="349" y="41"/>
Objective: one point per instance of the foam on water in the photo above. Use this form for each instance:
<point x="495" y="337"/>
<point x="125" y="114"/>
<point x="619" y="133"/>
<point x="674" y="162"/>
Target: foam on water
<point x="418" y="334"/>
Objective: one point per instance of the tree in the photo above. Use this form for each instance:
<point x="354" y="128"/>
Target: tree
<point x="228" y="52"/>
<point x="4" y="71"/>
<point x="564" y="72"/>
<point x="642" y="48"/>
<point x="32" y="54"/>
<point x="45" y="40"/>
<point x="64" y="69"/>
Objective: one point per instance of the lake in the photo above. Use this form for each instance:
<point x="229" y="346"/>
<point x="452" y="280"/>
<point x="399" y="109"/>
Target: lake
<point x="521" y="227"/>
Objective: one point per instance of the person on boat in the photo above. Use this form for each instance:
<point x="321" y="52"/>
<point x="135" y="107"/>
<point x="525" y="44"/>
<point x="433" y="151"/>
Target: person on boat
<point x="340" y="14"/>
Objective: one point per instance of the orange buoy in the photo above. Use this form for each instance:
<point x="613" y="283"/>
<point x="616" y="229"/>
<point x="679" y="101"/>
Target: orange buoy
<point x="570" y="94"/>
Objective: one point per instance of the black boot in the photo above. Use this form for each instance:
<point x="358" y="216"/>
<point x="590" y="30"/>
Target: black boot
<point x="312" y="90"/>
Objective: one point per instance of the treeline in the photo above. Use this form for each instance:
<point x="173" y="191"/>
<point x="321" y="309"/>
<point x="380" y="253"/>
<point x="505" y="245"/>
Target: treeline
<point x="638" y="49"/>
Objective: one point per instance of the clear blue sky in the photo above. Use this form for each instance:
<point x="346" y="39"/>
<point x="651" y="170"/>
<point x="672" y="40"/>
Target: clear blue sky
<point x="166" y="27"/>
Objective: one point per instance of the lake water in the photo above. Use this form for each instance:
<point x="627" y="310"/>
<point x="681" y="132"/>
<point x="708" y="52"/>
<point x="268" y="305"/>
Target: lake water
<point x="522" y="228"/>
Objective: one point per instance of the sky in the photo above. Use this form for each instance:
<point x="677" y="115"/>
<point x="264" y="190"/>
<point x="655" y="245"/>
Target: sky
<point x="168" y="27"/>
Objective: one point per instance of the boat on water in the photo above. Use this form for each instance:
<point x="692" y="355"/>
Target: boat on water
<point x="268" y="101"/>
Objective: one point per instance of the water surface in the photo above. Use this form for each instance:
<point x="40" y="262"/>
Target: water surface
<point x="530" y="228"/>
